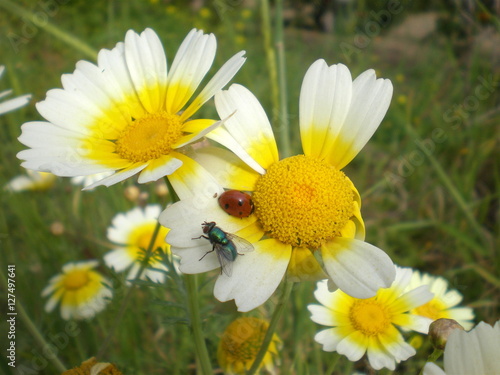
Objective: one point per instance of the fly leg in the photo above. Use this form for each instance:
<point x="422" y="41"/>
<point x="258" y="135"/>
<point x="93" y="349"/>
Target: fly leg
<point x="211" y="251"/>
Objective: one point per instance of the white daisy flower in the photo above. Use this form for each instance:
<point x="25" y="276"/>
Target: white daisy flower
<point x="132" y="231"/>
<point x="362" y="326"/>
<point x="81" y="291"/>
<point x="470" y="353"/>
<point x="444" y="304"/>
<point x="31" y="181"/>
<point x="304" y="205"/>
<point x="11" y="104"/>
<point x="125" y="115"/>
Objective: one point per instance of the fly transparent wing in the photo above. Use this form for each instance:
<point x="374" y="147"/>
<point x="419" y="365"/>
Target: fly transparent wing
<point x="242" y="245"/>
<point x="226" y="263"/>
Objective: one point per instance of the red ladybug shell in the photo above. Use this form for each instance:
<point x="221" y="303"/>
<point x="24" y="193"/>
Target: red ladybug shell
<point x="236" y="203"/>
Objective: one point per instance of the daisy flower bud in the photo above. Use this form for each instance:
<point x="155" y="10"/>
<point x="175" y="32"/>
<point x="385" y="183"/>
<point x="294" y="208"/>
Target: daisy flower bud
<point x="440" y="330"/>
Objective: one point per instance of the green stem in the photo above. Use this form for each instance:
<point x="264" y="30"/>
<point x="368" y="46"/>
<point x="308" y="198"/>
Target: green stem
<point x="455" y="194"/>
<point x="270" y="58"/>
<point x="284" y="126"/>
<point x="333" y="363"/>
<point x="194" y="310"/>
<point x="35" y="333"/>
<point x="287" y="289"/>
<point x="195" y="323"/>
<point x="42" y="22"/>
<point x="433" y="357"/>
<point x="129" y="294"/>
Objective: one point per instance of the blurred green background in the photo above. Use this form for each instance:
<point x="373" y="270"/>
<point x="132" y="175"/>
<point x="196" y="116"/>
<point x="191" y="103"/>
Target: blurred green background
<point x="429" y="177"/>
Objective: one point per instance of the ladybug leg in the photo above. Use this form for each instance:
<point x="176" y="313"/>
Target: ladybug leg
<point x="208" y="252"/>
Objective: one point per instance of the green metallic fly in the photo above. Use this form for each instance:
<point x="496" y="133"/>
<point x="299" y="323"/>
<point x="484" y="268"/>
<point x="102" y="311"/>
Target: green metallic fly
<point x="226" y="245"/>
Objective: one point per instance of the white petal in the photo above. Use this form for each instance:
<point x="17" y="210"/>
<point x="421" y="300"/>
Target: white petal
<point x="192" y="180"/>
<point x="353" y="346"/>
<point x="191" y="63"/>
<point x="249" y="126"/>
<point x="118" y="259"/>
<point x="218" y="81"/>
<point x="154" y="276"/>
<point x="329" y="338"/>
<point x="380" y="359"/>
<point x="323" y="293"/>
<point x="370" y="100"/>
<point x="473" y="352"/>
<point x="255" y="276"/>
<point x="229" y="171"/>
<point x="147" y="66"/>
<point x="14" y="103"/>
<point x="159" y="168"/>
<point x="117" y="177"/>
<point x="321" y="315"/>
<point x="191" y="262"/>
<point x="356" y="267"/>
<point x="433" y="369"/>
<point x="325" y="98"/>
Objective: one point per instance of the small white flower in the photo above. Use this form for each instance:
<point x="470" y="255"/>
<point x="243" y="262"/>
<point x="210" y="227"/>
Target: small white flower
<point x="444" y="304"/>
<point x="470" y="353"/>
<point x="81" y="291"/>
<point x="132" y="231"/>
<point x="32" y="181"/>
<point x="126" y="115"/>
<point x="11" y="104"/>
<point x="362" y="326"/>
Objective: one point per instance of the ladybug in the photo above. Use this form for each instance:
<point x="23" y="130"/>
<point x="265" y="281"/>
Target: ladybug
<point x="236" y="203"/>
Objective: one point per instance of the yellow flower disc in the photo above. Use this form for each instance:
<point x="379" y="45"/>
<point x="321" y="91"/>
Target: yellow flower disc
<point x="434" y="309"/>
<point x="303" y="201"/>
<point x="240" y="344"/>
<point x="77" y="279"/>
<point x="369" y="316"/>
<point x="149" y="137"/>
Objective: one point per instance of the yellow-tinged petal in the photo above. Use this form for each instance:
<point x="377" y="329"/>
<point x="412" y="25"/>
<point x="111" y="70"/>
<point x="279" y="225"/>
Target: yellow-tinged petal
<point x="191" y="176"/>
<point x="303" y="266"/>
<point x="249" y="126"/>
<point x="195" y="126"/>
<point x="228" y="170"/>
<point x="252" y="232"/>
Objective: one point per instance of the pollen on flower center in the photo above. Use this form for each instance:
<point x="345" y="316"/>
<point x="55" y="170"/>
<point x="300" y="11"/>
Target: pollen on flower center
<point x="149" y="137"/>
<point x="242" y="339"/>
<point x="369" y="316"/>
<point x="76" y="279"/>
<point x="303" y="201"/>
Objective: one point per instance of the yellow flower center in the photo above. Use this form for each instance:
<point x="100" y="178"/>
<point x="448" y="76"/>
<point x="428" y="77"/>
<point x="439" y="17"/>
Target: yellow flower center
<point x="241" y="342"/>
<point x="89" y="365"/>
<point x="139" y="243"/>
<point x="149" y="137"/>
<point x="76" y="279"/>
<point x="434" y="309"/>
<point x="369" y="316"/>
<point x="303" y="201"/>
